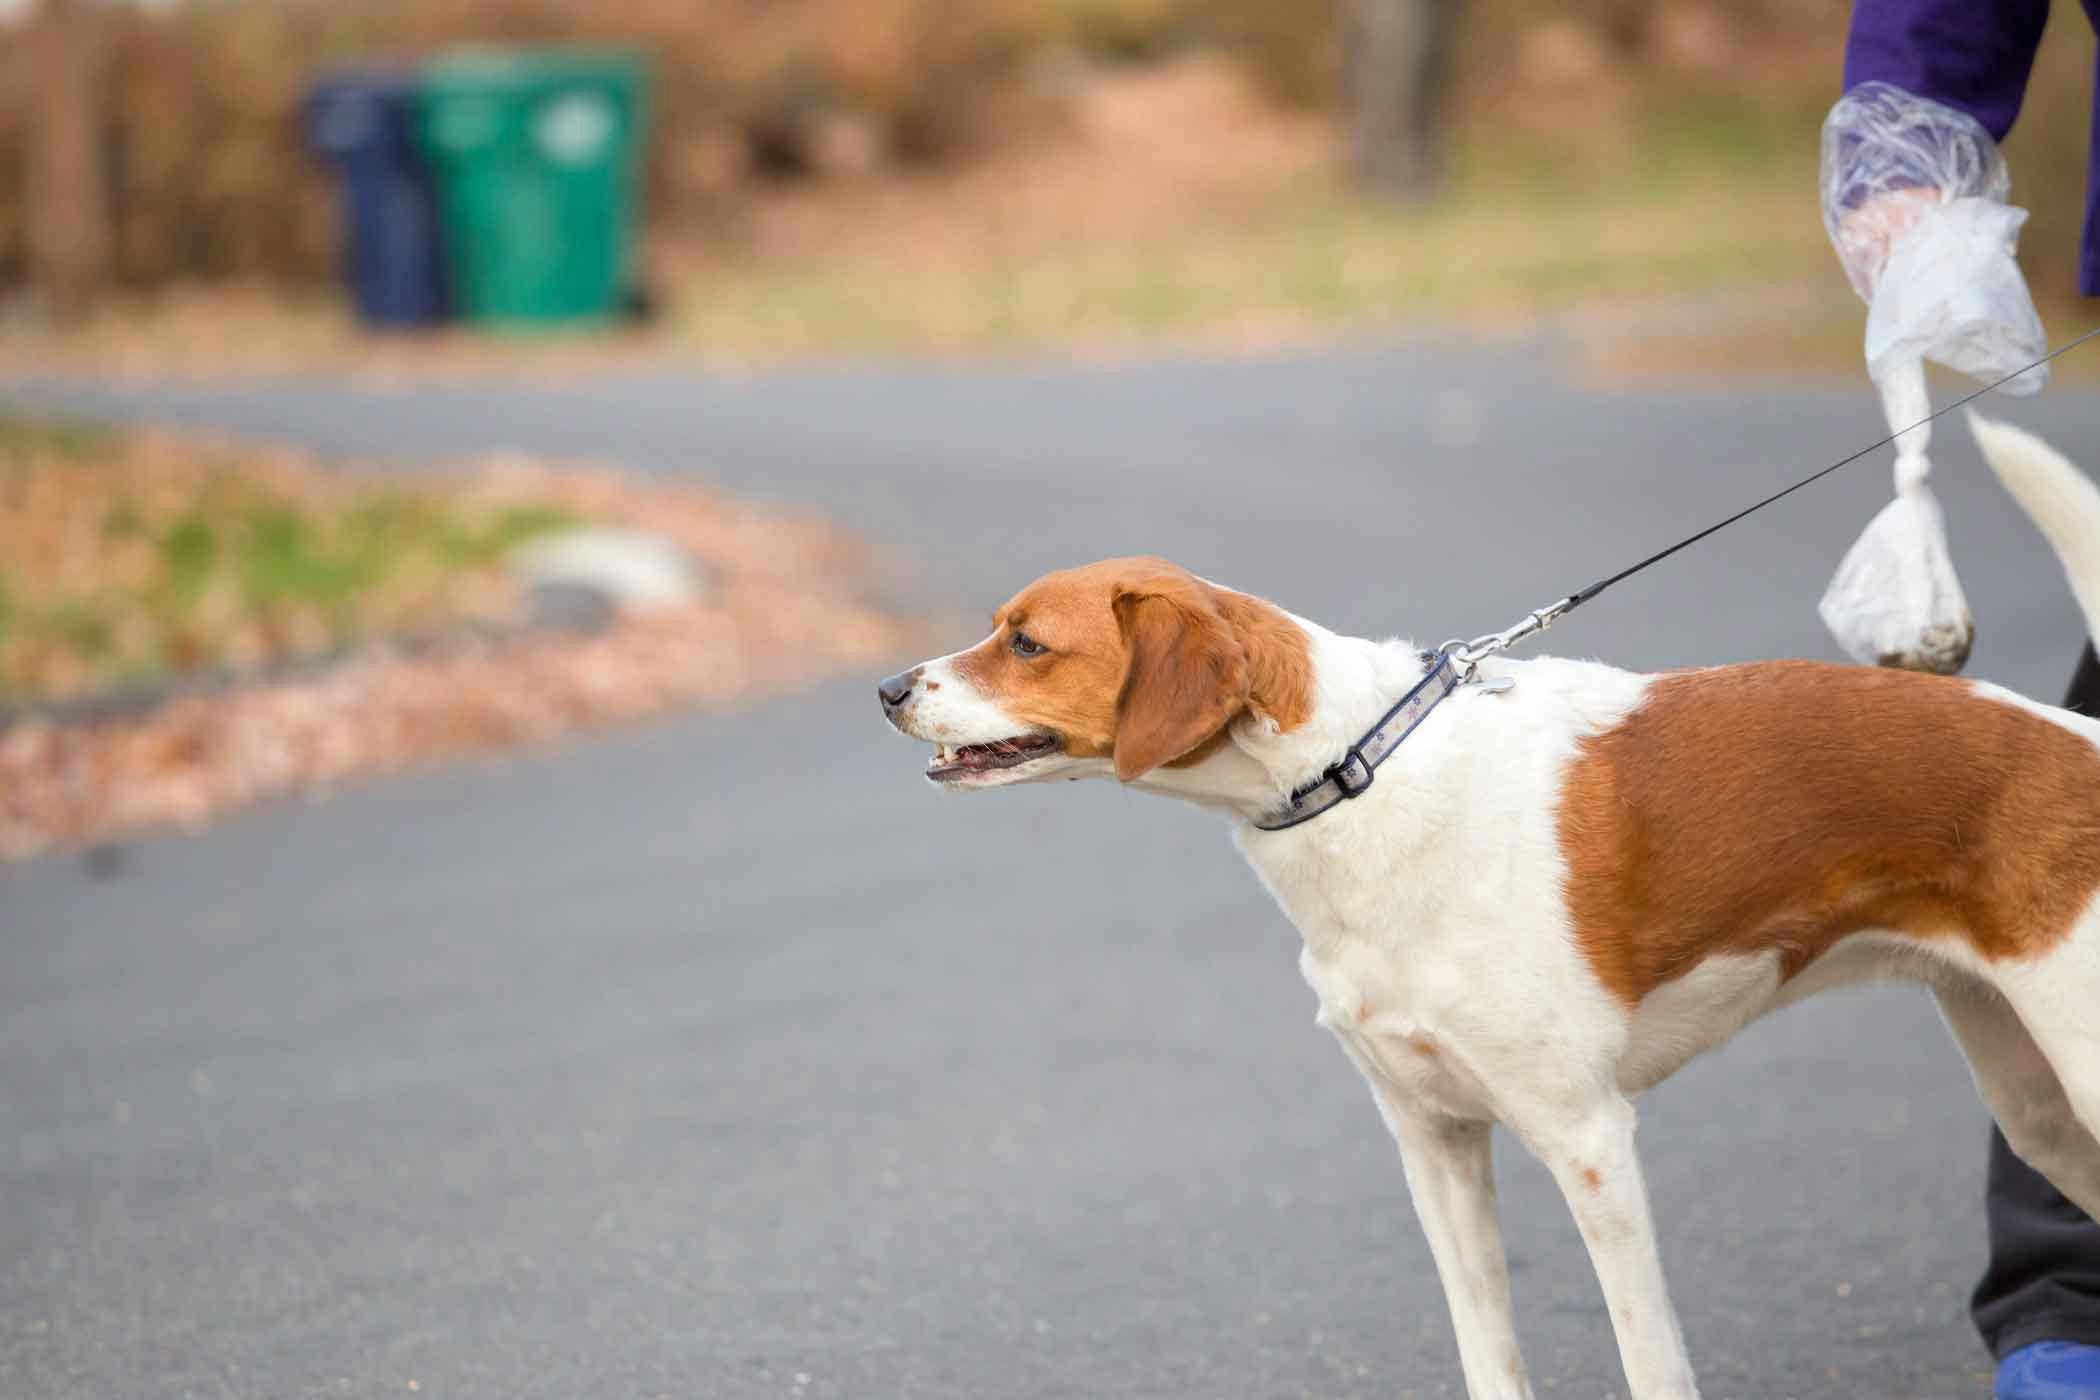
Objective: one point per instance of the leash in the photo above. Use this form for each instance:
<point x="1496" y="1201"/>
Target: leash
<point x="1469" y="655"/>
<point x="1452" y="665"/>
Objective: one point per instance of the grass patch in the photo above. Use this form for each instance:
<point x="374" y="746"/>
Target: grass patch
<point x="125" y="557"/>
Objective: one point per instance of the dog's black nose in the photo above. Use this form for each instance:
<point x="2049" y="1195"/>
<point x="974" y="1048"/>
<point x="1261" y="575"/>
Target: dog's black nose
<point x="897" y="689"/>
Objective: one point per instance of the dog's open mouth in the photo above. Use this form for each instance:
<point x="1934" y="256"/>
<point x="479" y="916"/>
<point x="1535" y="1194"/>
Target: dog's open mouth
<point x="951" y="764"/>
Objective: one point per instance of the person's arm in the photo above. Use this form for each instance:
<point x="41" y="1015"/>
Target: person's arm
<point x="1916" y="199"/>
<point x="1972" y="55"/>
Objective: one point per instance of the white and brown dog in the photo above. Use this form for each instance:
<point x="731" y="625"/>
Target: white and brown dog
<point x="1558" y="892"/>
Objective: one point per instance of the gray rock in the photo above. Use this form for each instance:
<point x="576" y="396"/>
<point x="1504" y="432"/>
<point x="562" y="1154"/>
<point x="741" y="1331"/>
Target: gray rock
<point x="632" y="570"/>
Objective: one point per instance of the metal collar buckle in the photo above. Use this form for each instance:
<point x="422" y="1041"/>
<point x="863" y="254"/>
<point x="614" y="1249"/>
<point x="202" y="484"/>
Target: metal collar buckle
<point x="1340" y="774"/>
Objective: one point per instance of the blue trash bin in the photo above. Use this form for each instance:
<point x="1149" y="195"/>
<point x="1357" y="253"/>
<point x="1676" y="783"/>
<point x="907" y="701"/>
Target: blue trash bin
<point x="360" y="121"/>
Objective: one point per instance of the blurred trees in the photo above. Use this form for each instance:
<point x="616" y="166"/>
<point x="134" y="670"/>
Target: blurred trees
<point x="1396" y="68"/>
<point x="142" y="145"/>
<point x="68" y="227"/>
<point x="194" y="167"/>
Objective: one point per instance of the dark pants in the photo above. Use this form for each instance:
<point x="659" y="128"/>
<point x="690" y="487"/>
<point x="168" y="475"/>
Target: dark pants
<point x="2043" y="1280"/>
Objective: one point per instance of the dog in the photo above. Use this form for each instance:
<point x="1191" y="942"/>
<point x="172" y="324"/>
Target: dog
<point x="1569" y="880"/>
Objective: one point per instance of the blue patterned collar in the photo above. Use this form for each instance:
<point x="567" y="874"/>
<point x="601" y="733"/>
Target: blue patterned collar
<point x="1351" y="776"/>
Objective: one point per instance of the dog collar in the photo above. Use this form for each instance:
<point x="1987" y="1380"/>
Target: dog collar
<point x="1351" y="776"/>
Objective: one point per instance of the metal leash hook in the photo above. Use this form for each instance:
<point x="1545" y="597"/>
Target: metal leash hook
<point x="1467" y="656"/>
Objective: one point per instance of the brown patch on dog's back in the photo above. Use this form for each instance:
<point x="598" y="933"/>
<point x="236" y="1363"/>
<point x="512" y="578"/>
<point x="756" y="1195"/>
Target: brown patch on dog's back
<point x="1784" y="805"/>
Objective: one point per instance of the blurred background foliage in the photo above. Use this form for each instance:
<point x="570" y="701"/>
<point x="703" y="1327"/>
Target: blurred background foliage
<point x="206" y="179"/>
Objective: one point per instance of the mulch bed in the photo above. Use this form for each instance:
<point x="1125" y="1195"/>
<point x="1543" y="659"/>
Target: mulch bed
<point x="791" y="601"/>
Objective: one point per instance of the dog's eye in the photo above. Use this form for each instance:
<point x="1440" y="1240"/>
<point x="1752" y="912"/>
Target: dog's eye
<point x="1025" y="645"/>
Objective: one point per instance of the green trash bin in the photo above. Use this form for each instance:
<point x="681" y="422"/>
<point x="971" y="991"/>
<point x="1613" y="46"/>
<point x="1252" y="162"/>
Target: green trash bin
<point x="537" y="154"/>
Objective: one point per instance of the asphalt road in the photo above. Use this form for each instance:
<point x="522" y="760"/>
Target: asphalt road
<point x="721" y="1058"/>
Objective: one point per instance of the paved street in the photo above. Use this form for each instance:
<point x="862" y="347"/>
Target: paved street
<point x="720" y="1058"/>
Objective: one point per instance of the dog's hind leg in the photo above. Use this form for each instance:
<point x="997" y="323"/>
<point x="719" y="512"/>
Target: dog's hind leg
<point x="1591" y="1154"/>
<point x="2021" y="1088"/>
<point x="2057" y="999"/>
<point x="1452" y="1180"/>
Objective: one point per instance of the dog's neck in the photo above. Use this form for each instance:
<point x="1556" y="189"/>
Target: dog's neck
<point x="1355" y="681"/>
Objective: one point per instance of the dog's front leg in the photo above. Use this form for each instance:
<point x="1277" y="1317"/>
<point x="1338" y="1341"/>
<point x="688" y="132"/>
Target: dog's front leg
<point x="1452" y="1180"/>
<point x="1591" y="1154"/>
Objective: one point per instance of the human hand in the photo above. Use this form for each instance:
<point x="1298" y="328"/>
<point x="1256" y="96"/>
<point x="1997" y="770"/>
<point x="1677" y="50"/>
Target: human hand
<point x="1949" y="290"/>
<point x="1866" y="236"/>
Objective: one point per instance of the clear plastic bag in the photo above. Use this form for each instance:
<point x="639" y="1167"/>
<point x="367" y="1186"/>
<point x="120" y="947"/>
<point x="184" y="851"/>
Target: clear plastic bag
<point x="1914" y="199"/>
<point x="1952" y="293"/>
<point x="1896" y="600"/>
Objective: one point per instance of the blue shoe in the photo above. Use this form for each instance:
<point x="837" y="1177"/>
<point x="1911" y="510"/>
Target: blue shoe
<point x="2050" y="1371"/>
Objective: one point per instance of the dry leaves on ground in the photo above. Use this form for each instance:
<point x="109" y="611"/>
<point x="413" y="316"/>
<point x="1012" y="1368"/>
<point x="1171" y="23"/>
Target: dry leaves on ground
<point x="789" y="602"/>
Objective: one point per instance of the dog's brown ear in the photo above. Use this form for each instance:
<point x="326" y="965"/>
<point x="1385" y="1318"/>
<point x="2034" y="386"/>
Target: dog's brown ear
<point x="1187" y="676"/>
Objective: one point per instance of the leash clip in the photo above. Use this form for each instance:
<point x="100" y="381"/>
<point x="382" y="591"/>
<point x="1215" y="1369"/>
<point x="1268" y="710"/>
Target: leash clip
<point x="1467" y="656"/>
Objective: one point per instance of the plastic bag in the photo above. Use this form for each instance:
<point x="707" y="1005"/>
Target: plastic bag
<point x="1896" y="600"/>
<point x="1952" y="293"/>
<point x="1914" y="199"/>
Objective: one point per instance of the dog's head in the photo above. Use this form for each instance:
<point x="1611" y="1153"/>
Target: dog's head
<point x="1117" y="667"/>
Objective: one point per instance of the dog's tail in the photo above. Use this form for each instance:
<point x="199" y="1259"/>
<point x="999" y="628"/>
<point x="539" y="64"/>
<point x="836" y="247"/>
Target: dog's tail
<point x="2061" y="499"/>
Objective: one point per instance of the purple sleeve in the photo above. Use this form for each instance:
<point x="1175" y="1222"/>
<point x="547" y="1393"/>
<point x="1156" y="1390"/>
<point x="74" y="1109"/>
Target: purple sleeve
<point x="1973" y="55"/>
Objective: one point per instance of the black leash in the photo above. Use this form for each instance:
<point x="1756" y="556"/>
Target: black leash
<point x="1471" y="653"/>
<point x="1453" y="664"/>
<point x="1581" y="596"/>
